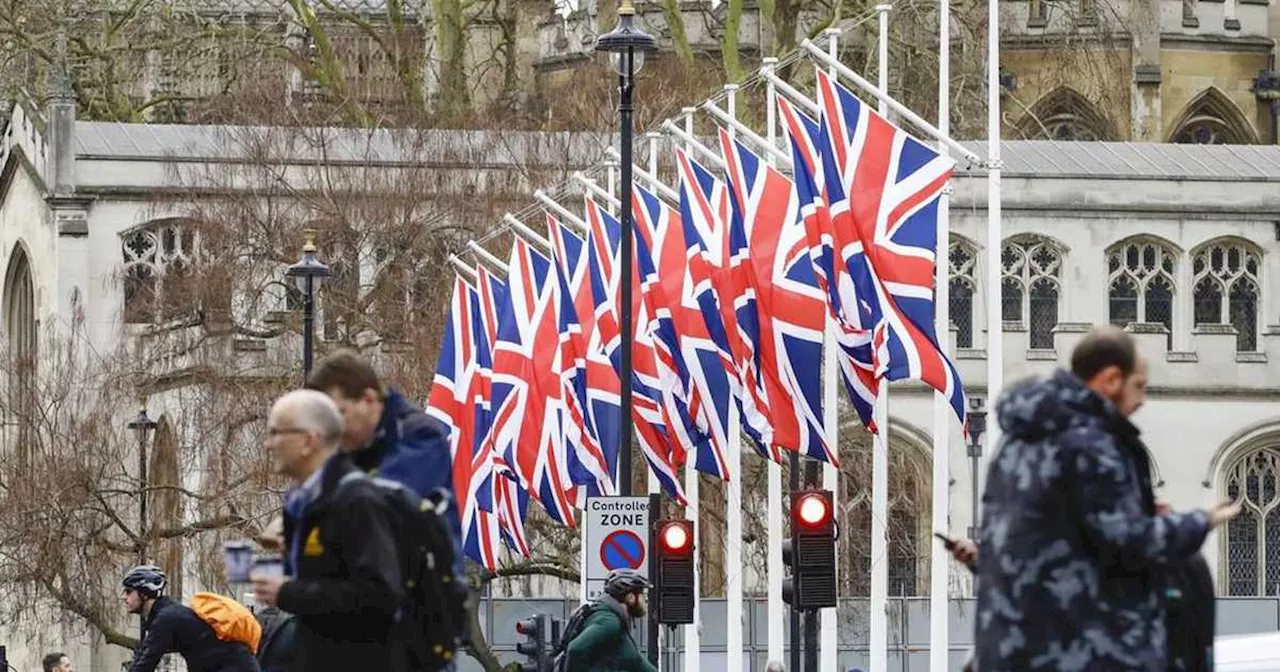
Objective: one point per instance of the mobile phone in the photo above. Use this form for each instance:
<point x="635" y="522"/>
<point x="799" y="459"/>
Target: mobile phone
<point x="947" y="543"/>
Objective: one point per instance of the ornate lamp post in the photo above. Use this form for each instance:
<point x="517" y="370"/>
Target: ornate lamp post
<point x="977" y="427"/>
<point x="307" y="275"/>
<point x="626" y="46"/>
<point x="142" y="426"/>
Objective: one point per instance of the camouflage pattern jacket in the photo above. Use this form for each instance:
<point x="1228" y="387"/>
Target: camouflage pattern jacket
<point x="1073" y="559"/>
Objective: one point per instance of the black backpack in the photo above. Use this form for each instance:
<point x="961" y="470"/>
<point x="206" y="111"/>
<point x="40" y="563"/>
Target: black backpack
<point x="572" y="628"/>
<point x="431" y="624"/>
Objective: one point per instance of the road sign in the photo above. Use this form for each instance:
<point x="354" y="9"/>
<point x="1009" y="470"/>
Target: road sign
<point x="617" y="538"/>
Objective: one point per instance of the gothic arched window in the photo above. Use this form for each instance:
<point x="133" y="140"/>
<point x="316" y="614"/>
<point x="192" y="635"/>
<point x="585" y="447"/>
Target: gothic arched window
<point x="907" y="536"/>
<point x="159" y="271"/>
<point x="963" y="286"/>
<point x="1141" y="275"/>
<point x="21" y="329"/>
<point x="1226" y="288"/>
<point x="1064" y="114"/>
<point x="1030" y="286"/>
<point x="1212" y="118"/>
<point x="1252" y="539"/>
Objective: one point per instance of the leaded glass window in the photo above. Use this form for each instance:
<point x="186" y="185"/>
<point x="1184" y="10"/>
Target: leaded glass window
<point x="1226" y="289"/>
<point x="159" y="271"/>
<point x="1253" y="538"/>
<point x="1032" y="269"/>
<point x="1142" y="285"/>
<point x="963" y="285"/>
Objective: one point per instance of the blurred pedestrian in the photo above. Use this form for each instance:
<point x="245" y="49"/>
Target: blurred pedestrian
<point x="1073" y="557"/>
<point x="343" y="582"/>
<point x="57" y="662"/>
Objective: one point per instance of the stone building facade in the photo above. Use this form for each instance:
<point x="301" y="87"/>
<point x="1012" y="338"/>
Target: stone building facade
<point x="1181" y="245"/>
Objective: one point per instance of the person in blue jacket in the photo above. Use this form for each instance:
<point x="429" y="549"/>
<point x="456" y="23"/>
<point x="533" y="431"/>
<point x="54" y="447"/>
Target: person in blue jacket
<point x="387" y="435"/>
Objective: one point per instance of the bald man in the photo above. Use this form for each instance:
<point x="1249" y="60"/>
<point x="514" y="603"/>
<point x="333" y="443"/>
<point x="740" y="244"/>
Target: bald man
<point x="341" y="553"/>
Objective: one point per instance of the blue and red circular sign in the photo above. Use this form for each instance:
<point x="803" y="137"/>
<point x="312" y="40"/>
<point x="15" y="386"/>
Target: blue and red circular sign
<point x="622" y="549"/>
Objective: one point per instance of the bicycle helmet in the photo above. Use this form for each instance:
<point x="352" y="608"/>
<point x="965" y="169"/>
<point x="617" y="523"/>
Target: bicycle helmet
<point x="146" y="579"/>
<point x="622" y="582"/>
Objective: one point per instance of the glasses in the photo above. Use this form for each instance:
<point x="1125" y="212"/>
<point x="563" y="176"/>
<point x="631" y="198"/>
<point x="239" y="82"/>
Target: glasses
<point x="274" y="432"/>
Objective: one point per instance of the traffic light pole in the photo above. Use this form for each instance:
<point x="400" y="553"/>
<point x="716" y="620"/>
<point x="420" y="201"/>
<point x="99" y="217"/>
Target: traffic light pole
<point x="794" y="478"/>
<point x="655" y="512"/>
<point x="812" y="471"/>
<point x="811" y="640"/>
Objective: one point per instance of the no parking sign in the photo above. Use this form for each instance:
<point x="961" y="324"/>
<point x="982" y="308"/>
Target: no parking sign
<point x="617" y="538"/>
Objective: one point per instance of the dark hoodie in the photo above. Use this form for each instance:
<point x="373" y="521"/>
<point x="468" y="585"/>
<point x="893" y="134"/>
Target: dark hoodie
<point x="1073" y="560"/>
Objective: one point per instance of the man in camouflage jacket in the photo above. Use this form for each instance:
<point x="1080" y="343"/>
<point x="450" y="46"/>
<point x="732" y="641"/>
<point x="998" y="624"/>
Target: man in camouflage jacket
<point x="1073" y="556"/>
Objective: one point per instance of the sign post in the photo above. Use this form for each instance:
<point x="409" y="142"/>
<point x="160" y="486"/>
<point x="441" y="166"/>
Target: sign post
<point x="617" y="538"/>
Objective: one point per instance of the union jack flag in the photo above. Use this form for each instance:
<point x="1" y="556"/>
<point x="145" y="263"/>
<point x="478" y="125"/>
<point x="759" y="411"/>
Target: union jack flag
<point x="456" y="382"/>
<point x="851" y="315"/>
<point x="704" y="211"/>
<point x="785" y="335"/>
<point x="578" y="368"/>
<point x="526" y="388"/>
<point x="883" y="191"/>
<point x="650" y="408"/>
<point x="501" y="500"/>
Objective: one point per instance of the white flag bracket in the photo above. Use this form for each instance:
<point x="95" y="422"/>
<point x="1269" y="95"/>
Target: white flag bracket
<point x="462" y="268"/>
<point x="528" y="233"/>
<point x="790" y="92"/>
<point x="484" y="255"/>
<point x="782" y="157"/>
<point x="713" y="158"/>
<point x="652" y="180"/>
<point x="551" y="204"/>
<point x="898" y="108"/>
<point x="594" y="188"/>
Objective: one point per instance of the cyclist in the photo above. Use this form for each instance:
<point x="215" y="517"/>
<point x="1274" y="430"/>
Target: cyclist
<point x="605" y="644"/>
<point x="170" y="627"/>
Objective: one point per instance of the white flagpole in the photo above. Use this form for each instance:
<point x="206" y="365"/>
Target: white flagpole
<point x="995" y="325"/>
<point x="733" y="502"/>
<point x="776" y="622"/>
<point x="880" y="456"/>
<point x="654" y="139"/>
<point x="692" y="638"/>
<point x="939" y="562"/>
<point x="828" y="647"/>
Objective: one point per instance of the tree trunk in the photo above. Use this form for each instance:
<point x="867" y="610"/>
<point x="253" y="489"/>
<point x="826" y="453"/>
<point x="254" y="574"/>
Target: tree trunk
<point x="679" y="39"/>
<point x="451" y="39"/>
<point x="730" y="50"/>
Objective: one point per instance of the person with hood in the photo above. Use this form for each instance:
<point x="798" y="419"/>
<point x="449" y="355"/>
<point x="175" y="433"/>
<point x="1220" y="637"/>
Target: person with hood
<point x="1074" y="558"/>
<point x="605" y="644"/>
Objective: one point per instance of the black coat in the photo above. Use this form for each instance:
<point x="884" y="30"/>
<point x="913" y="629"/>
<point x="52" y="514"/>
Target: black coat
<point x="347" y="583"/>
<point x="279" y="646"/>
<point x="174" y="628"/>
<point x="1190" y="610"/>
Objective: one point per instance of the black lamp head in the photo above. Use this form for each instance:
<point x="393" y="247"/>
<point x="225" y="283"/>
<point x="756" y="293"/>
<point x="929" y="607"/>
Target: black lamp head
<point x="626" y="36"/>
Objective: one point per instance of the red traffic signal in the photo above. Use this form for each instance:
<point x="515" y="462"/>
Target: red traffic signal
<point x="812" y="509"/>
<point x="676" y="536"/>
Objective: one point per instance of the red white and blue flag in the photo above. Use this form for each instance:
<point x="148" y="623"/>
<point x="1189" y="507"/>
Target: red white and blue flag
<point x="500" y="498"/>
<point x="527" y="432"/>
<point x="851" y="315"/>
<point x="650" y="407"/>
<point x="786" y="332"/>
<point x="883" y="189"/>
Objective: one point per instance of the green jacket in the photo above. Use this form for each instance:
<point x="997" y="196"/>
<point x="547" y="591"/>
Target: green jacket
<point x="605" y="643"/>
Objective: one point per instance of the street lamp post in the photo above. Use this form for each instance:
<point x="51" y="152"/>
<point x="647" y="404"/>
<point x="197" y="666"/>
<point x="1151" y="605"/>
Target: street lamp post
<point x="977" y="418"/>
<point x="626" y="46"/>
<point x="307" y="275"/>
<point x="142" y="426"/>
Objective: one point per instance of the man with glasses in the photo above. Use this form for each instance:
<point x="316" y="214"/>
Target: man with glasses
<point x="342" y="581"/>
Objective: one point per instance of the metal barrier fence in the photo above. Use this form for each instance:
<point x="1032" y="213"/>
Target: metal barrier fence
<point x="908" y="630"/>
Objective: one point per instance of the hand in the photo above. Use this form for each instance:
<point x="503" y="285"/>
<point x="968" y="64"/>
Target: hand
<point x="1223" y="512"/>
<point x="266" y="589"/>
<point x="272" y="536"/>
<point x="965" y="552"/>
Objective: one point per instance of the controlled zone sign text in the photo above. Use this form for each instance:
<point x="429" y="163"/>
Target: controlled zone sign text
<point x="617" y="538"/>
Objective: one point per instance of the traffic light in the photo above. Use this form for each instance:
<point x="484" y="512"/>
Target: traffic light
<point x="534" y="646"/>
<point x="811" y="551"/>
<point x="673" y="590"/>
